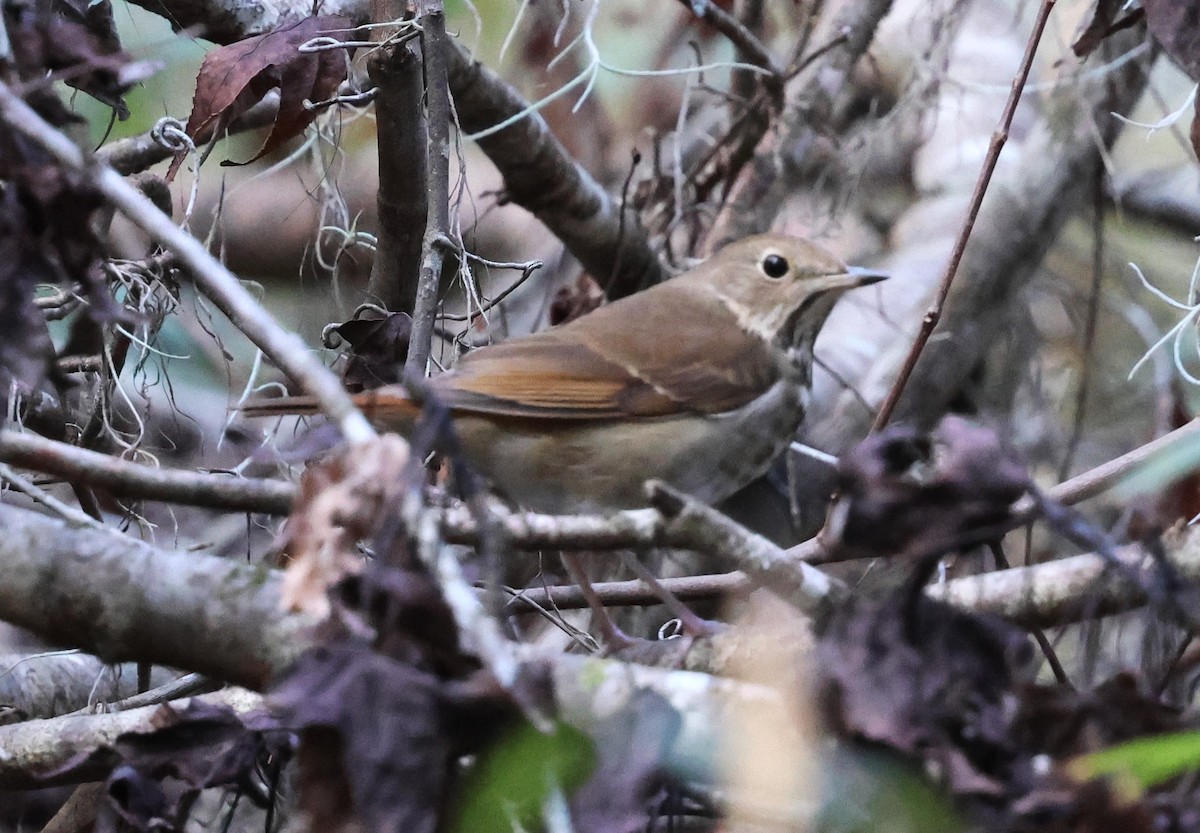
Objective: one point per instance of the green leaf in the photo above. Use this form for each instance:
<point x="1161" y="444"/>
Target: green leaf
<point x="510" y="784"/>
<point x="1140" y="764"/>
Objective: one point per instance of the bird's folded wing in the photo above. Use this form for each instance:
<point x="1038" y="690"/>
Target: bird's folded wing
<point x="640" y="365"/>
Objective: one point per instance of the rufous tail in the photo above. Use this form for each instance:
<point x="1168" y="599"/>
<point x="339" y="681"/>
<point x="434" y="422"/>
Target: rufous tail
<point x="386" y="407"/>
<point x="279" y="406"/>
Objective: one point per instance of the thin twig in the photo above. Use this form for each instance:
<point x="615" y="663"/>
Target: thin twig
<point x="35" y="493"/>
<point x="437" y="172"/>
<point x="749" y="46"/>
<point x="185" y="686"/>
<point x="527" y="269"/>
<point x="1039" y="636"/>
<point x="804" y="63"/>
<point x="742" y="84"/>
<point x="135" y="481"/>
<point x="216" y="282"/>
<point x="631" y="593"/>
<point x="999" y="138"/>
<point x="1054" y="593"/>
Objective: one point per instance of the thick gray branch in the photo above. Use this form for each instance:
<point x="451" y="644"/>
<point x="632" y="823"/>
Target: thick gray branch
<point x="123" y="600"/>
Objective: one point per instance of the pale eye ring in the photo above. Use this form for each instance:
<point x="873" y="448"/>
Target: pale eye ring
<point x="774" y="266"/>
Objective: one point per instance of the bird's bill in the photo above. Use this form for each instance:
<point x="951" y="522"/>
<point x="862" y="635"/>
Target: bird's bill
<point x="839" y="282"/>
<point x="862" y="276"/>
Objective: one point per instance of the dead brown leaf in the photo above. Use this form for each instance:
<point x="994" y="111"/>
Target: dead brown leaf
<point x="927" y="680"/>
<point x="234" y="78"/>
<point x="47" y="236"/>
<point x="378" y="345"/>
<point x="153" y="776"/>
<point x="575" y="300"/>
<point x="82" y="50"/>
<point x="380" y="721"/>
<point x="342" y="500"/>
<point x="904" y="492"/>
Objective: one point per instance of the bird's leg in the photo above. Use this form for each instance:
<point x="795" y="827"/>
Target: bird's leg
<point x="613" y="638"/>
<point x="692" y="624"/>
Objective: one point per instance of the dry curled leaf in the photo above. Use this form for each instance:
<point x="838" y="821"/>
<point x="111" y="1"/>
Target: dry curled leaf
<point x="921" y="677"/>
<point x="378" y="345"/>
<point x="575" y="300"/>
<point x="77" y="43"/>
<point x="234" y="78"/>
<point x="379" y="729"/>
<point x="47" y="237"/>
<point x="1108" y="18"/>
<point x="372" y="744"/>
<point x="153" y="775"/>
<point x="904" y="492"/>
<point x="342" y="501"/>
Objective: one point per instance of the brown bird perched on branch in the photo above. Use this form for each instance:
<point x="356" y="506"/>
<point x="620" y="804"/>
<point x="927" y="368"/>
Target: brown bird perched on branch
<point x="699" y="381"/>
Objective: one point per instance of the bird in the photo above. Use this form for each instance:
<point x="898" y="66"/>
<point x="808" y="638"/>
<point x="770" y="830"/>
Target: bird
<point x="700" y="381"/>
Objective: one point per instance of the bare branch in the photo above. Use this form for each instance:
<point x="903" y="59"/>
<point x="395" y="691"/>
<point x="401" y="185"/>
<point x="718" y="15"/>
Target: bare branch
<point x="138" y="482"/>
<point x="1105" y="476"/>
<point x="225" y="21"/>
<point x="702" y="528"/>
<point x="434" y="47"/>
<point x="1070" y="589"/>
<point x="122" y="598"/>
<point x="760" y="188"/>
<point x="533" y="531"/>
<point x="137" y="153"/>
<point x="1026" y="207"/>
<point x="539" y="173"/>
<point x="184" y="686"/>
<point x="631" y="593"/>
<point x="1043" y="595"/>
<point x="49" y="683"/>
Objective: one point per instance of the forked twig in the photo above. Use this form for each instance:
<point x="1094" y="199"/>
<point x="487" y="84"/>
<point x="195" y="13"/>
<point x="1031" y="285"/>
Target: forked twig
<point x="999" y="138"/>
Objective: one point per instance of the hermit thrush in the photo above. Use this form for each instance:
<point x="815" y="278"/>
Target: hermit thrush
<point x="699" y="381"/>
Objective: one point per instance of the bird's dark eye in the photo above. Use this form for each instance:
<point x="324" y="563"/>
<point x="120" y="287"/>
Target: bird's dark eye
<point x="775" y="266"/>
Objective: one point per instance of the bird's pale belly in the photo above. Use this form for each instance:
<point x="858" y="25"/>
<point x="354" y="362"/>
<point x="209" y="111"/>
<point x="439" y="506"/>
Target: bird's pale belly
<point x="574" y="466"/>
